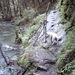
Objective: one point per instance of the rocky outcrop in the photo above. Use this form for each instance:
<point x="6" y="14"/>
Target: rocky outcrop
<point x="42" y="59"/>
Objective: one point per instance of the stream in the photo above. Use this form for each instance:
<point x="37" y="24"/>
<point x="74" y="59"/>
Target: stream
<point x="7" y="39"/>
<point x="7" y="33"/>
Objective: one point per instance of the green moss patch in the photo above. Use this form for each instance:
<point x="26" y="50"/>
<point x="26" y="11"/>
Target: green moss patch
<point x="24" y="61"/>
<point x="25" y="17"/>
<point x="67" y="55"/>
<point x="35" y="24"/>
<point x="69" y="69"/>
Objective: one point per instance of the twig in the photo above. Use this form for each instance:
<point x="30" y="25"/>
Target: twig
<point x="4" y="56"/>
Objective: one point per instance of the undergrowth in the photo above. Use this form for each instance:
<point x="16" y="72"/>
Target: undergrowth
<point x="66" y="62"/>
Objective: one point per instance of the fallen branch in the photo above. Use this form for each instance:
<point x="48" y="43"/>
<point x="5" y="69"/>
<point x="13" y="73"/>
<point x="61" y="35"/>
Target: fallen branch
<point x="4" y="56"/>
<point x="22" y="71"/>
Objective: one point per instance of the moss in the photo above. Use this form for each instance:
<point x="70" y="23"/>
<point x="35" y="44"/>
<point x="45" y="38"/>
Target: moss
<point x="67" y="49"/>
<point x="67" y="54"/>
<point x="73" y="72"/>
<point x="26" y="16"/>
<point x="66" y="10"/>
<point x="24" y="61"/>
<point x="31" y="29"/>
<point x="58" y="5"/>
<point x="67" y="24"/>
<point x="64" y="2"/>
<point x="21" y="21"/>
<point x="31" y="70"/>
<point x="26" y="36"/>
<point x="69" y="69"/>
<point x="29" y="12"/>
<point x="38" y="20"/>
<point x="70" y="41"/>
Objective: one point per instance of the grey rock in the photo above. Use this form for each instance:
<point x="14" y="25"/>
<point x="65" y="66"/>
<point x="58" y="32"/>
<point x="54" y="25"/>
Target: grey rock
<point x="42" y="58"/>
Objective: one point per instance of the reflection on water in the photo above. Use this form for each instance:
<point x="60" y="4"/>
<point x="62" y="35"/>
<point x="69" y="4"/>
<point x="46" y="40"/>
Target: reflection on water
<point x="7" y="33"/>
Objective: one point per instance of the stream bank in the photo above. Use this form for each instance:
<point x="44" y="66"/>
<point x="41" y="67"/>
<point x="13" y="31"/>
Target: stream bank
<point x="43" y="55"/>
<point x="66" y="60"/>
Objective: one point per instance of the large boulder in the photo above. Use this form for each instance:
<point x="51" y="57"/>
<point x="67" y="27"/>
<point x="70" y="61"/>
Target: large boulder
<point x="43" y="59"/>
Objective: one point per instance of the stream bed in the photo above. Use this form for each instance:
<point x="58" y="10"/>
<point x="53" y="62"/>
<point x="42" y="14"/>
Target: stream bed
<point x="7" y="39"/>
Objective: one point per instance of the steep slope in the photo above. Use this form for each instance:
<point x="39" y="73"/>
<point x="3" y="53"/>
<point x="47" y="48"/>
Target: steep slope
<point x="66" y="62"/>
<point x="43" y="55"/>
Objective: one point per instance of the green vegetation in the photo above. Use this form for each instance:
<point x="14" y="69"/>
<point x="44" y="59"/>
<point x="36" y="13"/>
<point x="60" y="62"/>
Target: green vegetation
<point x="69" y="69"/>
<point x="66" y="62"/>
<point x="24" y="62"/>
<point x="35" y="24"/>
<point x="26" y="16"/>
<point x="31" y="70"/>
<point x="68" y="46"/>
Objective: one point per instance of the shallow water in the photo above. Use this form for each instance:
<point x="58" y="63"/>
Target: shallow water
<point x="7" y="33"/>
<point x="7" y="39"/>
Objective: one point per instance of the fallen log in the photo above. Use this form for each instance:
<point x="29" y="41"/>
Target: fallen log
<point x="6" y="58"/>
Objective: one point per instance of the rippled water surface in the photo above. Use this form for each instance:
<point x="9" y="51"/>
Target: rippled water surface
<point x="7" y="33"/>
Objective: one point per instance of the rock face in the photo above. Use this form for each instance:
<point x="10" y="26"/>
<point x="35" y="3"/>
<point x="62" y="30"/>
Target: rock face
<point x="54" y="26"/>
<point x="44" y="60"/>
